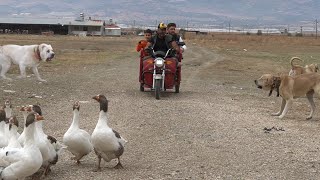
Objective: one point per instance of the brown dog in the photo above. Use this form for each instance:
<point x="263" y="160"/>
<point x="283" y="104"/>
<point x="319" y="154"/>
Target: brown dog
<point x="291" y="88"/>
<point x="297" y="70"/>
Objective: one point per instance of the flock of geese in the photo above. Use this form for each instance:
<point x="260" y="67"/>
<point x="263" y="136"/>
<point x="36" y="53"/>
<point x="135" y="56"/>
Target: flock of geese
<point x="32" y="151"/>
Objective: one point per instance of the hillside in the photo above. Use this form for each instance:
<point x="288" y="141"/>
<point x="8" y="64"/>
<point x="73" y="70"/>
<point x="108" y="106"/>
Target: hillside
<point x="251" y="12"/>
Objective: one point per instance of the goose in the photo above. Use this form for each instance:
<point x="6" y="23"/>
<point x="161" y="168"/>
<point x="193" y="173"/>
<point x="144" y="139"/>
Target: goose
<point x="8" y="109"/>
<point x="25" y="110"/>
<point x="3" y="136"/>
<point x="78" y="141"/>
<point x="107" y="143"/>
<point x="26" y="161"/>
<point x="45" y="144"/>
<point x="13" y="141"/>
<point x="13" y="128"/>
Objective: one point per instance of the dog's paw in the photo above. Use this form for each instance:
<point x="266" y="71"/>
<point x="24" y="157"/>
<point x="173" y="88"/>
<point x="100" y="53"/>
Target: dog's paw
<point x="6" y="78"/>
<point x="280" y="117"/>
<point x="275" y="114"/>
<point x="309" y="117"/>
<point x="42" y="80"/>
<point x="21" y="77"/>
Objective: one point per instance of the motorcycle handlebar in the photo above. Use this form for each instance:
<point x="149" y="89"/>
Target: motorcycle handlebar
<point x="161" y="53"/>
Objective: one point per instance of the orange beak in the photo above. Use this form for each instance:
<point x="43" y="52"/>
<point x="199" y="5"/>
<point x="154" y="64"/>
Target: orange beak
<point x="22" y="108"/>
<point x="39" y="118"/>
<point x="96" y="98"/>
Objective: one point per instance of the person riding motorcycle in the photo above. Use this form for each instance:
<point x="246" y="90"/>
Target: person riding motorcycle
<point x="171" y="29"/>
<point x="143" y="43"/>
<point x="162" y="41"/>
<point x="160" y="66"/>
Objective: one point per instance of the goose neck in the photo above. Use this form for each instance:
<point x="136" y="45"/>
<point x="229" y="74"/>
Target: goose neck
<point x="39" y="128"/>
<point x="30" y="134"/>
<point x="102" y="119"/>
<point x="75" y="119"/>
<point x="8" y="111"/>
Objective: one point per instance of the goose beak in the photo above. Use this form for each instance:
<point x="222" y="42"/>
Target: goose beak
<point x="39" y="117"/>
<point x="22" y="108"/>
<point x="96" y="98"/>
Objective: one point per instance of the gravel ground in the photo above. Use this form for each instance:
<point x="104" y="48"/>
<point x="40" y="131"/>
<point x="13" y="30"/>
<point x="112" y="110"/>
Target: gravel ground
<point x="215" y="128"/>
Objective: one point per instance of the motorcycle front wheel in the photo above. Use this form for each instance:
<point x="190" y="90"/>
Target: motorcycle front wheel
<point x="157" y="88"/>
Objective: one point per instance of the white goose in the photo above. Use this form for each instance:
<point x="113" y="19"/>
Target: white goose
<point x="25" y="110"/>
<point x="8" y="109"/>
<point x="107" y="143"/>
<point x="13" y="128"/>
<point x="3" y="136"/>
<point x="13" y="141"/>
<point x="77" y="140"/>
<point x="26" y="161"/>
<point x="45" y="144"/>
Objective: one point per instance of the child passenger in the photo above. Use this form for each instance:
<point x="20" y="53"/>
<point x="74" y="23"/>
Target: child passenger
<point x="142" y="44"/>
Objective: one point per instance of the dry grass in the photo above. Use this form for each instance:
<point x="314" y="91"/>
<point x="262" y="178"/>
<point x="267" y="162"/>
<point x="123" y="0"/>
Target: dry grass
<point x="242" y="54"/>
<point x="245" y="57"/>
<point x="77" y="51"/>
<point x="251" y="49"/>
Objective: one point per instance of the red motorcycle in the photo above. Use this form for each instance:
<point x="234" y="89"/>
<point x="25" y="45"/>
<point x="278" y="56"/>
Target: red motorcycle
<point x="160" y="72"/>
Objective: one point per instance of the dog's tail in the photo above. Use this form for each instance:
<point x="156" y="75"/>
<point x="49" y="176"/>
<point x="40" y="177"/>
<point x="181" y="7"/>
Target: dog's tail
<point x="294" y="58"/>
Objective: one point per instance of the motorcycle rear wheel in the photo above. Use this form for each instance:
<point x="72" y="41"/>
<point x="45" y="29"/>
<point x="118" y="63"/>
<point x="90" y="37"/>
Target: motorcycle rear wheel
<point x="141" y="87"/>
<point x="177" y="88"/>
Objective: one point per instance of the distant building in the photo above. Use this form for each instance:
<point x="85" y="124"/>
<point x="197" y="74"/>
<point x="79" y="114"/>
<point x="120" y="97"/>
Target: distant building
<point x="88" y="27"/>
<point x="27" y="25"/>
<point x="112" y="30"/>
<point x="63" y="26"/>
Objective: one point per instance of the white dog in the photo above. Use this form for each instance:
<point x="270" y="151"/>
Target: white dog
<point x="24" y="56"/>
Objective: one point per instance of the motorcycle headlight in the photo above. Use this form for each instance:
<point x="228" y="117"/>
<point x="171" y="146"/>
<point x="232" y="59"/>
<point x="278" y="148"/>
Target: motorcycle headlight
<point x="159" y="62"/>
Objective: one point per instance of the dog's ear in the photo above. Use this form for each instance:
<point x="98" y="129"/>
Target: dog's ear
<point x="269" y="81"/>
<point x="41" y="46"/>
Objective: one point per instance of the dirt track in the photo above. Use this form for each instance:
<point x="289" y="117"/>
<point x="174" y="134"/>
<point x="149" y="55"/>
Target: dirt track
<point x="212" y="129"/>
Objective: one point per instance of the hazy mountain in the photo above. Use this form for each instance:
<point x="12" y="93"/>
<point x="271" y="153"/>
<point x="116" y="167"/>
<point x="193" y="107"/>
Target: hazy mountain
<point x="191" y="12"/>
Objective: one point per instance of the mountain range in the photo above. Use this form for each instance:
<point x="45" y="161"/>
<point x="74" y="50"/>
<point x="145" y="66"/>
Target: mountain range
<point x="184" y="12"/>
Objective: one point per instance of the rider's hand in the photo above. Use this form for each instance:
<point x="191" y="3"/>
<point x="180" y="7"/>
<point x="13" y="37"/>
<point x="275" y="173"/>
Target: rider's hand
<point x="148" y="50"/>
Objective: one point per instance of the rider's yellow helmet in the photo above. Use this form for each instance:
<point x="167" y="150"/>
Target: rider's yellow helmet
<point x="162" y="26"/>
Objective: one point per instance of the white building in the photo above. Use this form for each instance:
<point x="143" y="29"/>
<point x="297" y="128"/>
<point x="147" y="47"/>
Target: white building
<point x="112" y="30"/>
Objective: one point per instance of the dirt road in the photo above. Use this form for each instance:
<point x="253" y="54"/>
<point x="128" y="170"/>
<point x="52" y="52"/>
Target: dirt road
<point x="212" y="129"/>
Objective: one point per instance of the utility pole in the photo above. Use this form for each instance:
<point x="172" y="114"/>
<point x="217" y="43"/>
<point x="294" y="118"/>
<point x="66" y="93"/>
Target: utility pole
<point x="229" y="26"/>
<point x="316" y="28"/>
<point x="187" y="25"/>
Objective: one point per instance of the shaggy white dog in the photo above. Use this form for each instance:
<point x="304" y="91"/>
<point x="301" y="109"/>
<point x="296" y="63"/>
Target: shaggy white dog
<point x="24" y="56"/>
